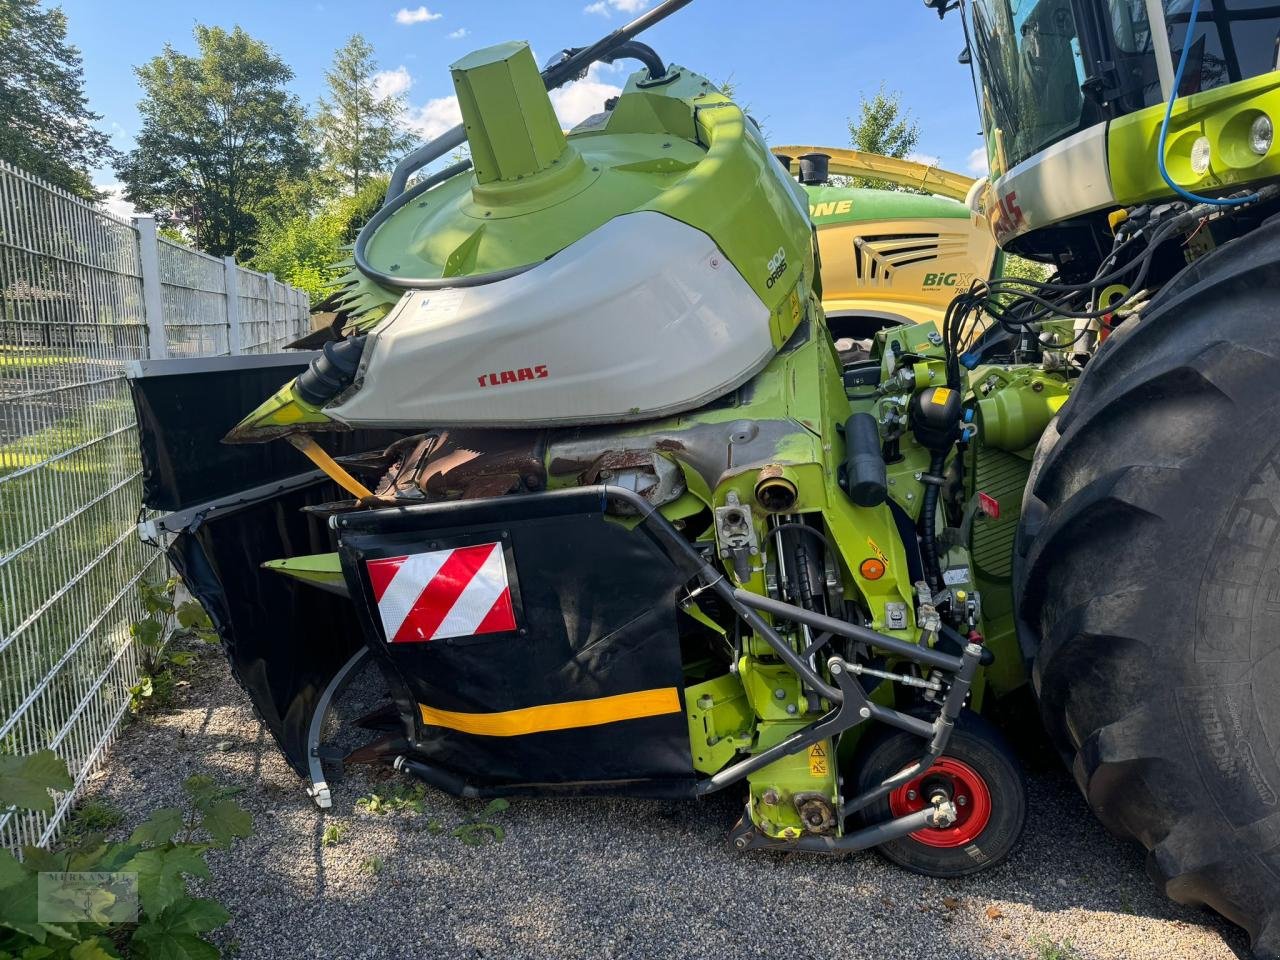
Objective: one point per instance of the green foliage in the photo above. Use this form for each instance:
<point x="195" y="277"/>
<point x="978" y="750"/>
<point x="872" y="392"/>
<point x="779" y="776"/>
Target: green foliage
<point x="161" y="854"/>
<point x="1047" y="949"/>
<point x="358" y="128"/>
<point x="220" y="133"/>
<point x="25" y="781"/>
<point x="1022" y="269"/>
<point x="307" y="249"/>
<point x="157" y="682"/>
<point x="332" y="835"/>
<point x="46" y="126"/>
<point x="372" y="866"/>
<point x="401" y="797"/>
<point x="94" y="816"/>
<point x="479" y="829"/>
<point x="882" y="126"/>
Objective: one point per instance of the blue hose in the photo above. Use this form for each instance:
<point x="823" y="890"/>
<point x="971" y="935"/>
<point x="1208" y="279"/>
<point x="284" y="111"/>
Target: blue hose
<point x="1164" y="127"/>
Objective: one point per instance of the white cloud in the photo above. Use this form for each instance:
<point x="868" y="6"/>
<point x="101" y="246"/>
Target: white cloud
<point x="928" y="159"/>
<point x="115" y="202"/>
<point x="605" y="8"/>
<point x="418" y="15"/>
<point x="459" y="33"/>
<point x="434" y="117"/>
<point x="577" y="101"/>
<point x="392" y="83"/>
<point x="977" y="162"/>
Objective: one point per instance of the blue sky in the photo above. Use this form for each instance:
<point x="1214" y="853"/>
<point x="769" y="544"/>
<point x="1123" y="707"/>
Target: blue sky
<point x="800" y="66"/>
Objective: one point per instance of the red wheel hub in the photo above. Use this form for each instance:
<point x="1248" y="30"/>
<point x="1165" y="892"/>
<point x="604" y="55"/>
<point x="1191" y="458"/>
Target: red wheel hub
<point x="968" y="792"/>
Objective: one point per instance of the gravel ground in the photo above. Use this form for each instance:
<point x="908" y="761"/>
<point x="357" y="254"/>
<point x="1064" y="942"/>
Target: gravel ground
<point x="618" y="878"/>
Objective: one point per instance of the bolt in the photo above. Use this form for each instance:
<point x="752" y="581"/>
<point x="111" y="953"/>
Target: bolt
<point x="770" y="797"/>
<point x="961" y="801"/>
<point x="740" y="843"/>
<point x="865" y="713"/>
<point x="1037" y="386"/>
<point x="791" y="708"/>
<point x="780" y="694"/>
<point x="911" y="794"/>
<point x="911" y="496"/>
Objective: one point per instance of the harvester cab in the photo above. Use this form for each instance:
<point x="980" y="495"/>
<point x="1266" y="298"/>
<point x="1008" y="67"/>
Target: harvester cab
<point x="600" y="498"/>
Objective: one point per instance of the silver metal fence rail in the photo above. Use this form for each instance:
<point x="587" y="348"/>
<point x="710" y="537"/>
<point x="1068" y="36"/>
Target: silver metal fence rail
<point x="81" y="293"/>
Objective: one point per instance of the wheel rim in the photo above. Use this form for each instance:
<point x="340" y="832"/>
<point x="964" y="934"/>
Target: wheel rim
<point x="968" y="791"/>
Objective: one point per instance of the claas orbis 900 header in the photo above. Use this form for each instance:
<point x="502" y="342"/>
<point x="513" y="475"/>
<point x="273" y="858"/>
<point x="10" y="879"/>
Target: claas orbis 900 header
<point x="617" y="507"/>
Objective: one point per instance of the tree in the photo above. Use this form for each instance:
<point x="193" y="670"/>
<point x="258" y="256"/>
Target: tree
<point x="359" y="129"/>
<point x="46" y="126"/>
<point x="882" y="127"/>
<point x="220" y="133"/>
<point x="308" y="249"/>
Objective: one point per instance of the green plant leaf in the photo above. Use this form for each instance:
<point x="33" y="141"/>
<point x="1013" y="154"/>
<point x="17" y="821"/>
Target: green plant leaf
<point x="200" y="787"/>
<point x="18" y="909"/>
<point x="25" y="781"/>
<point x="97" y="948"/>
<point x="152" y="941"/>
<point x="182" y="658"/>
<point x="160" y="874"/>
<point x="158" y="829"/>
<point x="474" y="834"/>
<point x="11" y="869"/>
<point x="194" y="915"/>
<point x="495" y="806"/>
<point x="224" y="820"/>
<point x="149" y="633"/>
<point x="191" y="616"/>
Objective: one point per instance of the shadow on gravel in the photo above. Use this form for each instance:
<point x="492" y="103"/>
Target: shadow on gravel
<point x="602" y="878"/>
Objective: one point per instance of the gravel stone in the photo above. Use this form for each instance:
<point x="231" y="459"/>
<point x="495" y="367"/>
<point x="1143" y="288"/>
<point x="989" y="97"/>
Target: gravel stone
<point x="615" y="878"/>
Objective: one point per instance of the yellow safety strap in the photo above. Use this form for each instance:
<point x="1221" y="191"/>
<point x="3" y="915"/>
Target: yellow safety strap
<point x="557" y="716"/>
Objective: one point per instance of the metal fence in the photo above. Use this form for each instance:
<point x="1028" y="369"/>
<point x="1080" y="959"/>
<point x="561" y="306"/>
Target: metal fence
<point x="81" y="293"/>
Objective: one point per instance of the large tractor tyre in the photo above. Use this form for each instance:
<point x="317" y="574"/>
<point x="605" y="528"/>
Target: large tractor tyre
<point x="1147" y="576"/>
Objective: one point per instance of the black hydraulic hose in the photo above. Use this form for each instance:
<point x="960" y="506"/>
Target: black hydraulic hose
<point x="421" y="283"/>
<point x="928" y="517"/>
<point x="635" y="50"/>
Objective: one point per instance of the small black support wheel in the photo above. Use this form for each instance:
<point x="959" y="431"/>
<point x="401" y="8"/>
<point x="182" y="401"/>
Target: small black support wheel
<point x="980" y="775"/>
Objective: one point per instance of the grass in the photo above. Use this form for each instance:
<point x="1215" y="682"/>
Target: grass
<point x="400" y="798"/>
<point x="1047" y="949"/>
<point x="94" y="816"/>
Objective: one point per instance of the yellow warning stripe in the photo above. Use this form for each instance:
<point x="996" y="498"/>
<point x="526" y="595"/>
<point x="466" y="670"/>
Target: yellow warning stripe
<point x="557" y="716"/>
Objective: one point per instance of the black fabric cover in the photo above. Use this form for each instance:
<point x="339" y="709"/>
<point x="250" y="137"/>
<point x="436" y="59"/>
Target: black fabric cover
<point x="595" y="607"/>
<point x="182" y="418"/>
<point x="285" y="640"/>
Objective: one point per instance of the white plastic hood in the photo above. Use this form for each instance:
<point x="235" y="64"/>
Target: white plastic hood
<point x="641" y="318"/>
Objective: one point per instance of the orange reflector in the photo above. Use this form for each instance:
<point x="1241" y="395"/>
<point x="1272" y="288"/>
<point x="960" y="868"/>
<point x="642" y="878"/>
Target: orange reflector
<point x="871" y="569"/>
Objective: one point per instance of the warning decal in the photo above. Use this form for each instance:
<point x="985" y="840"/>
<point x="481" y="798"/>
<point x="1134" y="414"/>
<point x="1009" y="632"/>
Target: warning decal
<point x="444" y="593"/>
<point x="818" y="759"/>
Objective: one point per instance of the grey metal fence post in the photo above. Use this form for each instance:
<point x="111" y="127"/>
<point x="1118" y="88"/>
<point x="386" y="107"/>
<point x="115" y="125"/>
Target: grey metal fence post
<point x="152" y="296"/>
<point x="232" y="287"/>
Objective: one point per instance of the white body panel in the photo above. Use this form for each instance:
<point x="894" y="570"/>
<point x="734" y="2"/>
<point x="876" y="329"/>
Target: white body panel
<point x="641" y="318"/>
<point x="1064" y="180"/>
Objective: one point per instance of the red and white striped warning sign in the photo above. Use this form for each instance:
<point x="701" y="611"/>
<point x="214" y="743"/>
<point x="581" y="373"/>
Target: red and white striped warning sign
<point x="444" y="593"/>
